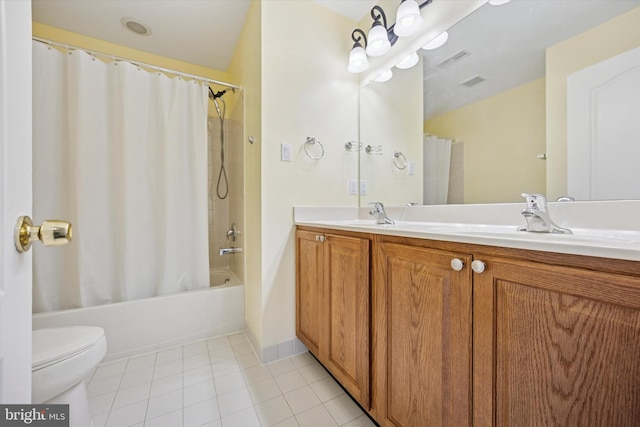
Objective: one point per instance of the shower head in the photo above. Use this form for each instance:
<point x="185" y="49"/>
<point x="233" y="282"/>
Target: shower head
<point x="213" y="95"/>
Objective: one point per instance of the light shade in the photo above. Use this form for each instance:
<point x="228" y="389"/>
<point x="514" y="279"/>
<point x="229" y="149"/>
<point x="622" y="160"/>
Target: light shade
<point x="408" y="19"/>
<point x="498" y="2"/>
<point x="386" y="76"/>
<point x="408" y="61"/>
<point x="378" y="41"/>
<point x="437" y="42"/>
<point x="358" y="61"/>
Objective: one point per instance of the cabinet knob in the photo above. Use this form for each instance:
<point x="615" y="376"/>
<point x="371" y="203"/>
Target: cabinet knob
<point x="478" y="266"/>
<point x="320" y="238"/>
<point x="457" y="264"/>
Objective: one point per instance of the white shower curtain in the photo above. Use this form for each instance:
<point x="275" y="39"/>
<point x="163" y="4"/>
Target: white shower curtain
<point x="437" y="164"/>
<point x="122" y="154"/>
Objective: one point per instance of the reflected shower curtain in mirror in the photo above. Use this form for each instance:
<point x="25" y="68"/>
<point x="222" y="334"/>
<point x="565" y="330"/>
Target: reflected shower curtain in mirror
<point x="122" y="154"/>
<point x="437" y="163"/>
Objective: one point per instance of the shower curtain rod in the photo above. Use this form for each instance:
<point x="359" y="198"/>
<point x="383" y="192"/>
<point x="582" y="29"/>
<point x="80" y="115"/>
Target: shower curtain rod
<point x="138" y="63"/>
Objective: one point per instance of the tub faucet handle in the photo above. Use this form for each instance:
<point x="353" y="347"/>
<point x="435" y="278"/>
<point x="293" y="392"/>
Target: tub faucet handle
<point x="233" y="232"/>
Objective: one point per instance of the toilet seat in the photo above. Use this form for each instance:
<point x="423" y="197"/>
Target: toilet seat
<point x="63" y="358"/>
<point x="53" y="345"/>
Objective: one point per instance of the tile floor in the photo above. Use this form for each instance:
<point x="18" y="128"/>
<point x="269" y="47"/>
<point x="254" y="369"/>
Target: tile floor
<point x="218" y="383"/>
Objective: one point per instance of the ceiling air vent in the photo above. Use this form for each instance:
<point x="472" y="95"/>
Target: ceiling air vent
<point x="472" y="81"/>
<point x="454" y="59"/>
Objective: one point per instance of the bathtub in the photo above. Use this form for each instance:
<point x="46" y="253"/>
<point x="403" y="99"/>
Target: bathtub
<point x="140" y="326"/>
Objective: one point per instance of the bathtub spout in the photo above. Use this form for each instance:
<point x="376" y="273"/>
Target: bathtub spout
<point x="225" y="251"/>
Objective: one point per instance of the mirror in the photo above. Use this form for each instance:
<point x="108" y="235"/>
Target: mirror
<point x="496" y="94"/>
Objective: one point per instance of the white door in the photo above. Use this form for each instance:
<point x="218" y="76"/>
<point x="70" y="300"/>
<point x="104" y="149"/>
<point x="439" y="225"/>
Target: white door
<point x="603" y="129"/>
<point x="15" y="200"/>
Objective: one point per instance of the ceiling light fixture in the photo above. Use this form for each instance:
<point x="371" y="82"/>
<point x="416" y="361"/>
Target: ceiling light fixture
<point x="437" y="42"/>
<point x="358" y="61"/>
<point x="408" y="19"/>
<point x="381" y="37"/>
<point x="136" y="26"/>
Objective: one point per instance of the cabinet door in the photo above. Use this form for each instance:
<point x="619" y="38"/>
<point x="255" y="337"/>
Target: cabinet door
<point x="344" y="349"/>
<point x="422" y="318"/>
<point x="309" y="289"/>
<point x="555" y="346"/>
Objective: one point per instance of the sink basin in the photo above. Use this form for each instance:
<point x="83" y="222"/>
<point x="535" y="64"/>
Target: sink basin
<point x="506" y="232"/>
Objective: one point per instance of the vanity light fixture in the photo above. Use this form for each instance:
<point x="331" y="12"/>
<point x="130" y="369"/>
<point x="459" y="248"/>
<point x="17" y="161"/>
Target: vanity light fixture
<point x="498" y="2"/>
<point x="384" y="77"/>
<point x="437" y="42"/>
<point x="378" y="43"/>
<point x="408" y="19"/>
<point x="408" y="61"/>
<point x="358" y="61"/>
<point x="381" y="37"/>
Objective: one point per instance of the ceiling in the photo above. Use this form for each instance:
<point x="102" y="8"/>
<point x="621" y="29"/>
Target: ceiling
<point x="195" y="31"/>
<point x="203" y="32"/>
<point x="507" y="47"/>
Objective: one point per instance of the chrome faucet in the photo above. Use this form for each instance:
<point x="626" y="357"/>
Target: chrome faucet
<point x="226" y="251"/>
<point x="380" y="214"/>
<point x="537" y="216"/>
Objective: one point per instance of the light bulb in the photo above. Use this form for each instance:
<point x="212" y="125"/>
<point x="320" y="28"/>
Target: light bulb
<point x="408" y="19"/>
<point x="378" y="43"/>
<point x="358" y="61"/>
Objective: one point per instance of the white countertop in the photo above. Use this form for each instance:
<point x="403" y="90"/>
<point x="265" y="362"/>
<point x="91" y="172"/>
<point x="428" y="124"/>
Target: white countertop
<point x="496" y="225"/>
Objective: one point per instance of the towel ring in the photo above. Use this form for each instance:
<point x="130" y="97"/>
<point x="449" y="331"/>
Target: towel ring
<point x="311" y="140"/>
<point x="399" y="160"/>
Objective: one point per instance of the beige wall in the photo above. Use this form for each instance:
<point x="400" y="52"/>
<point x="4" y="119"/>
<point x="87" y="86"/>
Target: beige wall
<point x="306" y="91"/>
<point x="502" y="136"/>
<point x="246" y="67"/>
<point x="602" y="42"/>
<point x="391" y="117"/>
<point x="97" y="45"/>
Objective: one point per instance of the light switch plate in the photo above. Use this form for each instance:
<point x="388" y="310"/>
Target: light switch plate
<point x="363" y="187"/>
<point x="285" y="152"/>
<point x="353" y="187"/>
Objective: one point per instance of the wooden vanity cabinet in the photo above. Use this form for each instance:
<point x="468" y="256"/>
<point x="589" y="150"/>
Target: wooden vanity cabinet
<point x="556" y="345"/>
<point x="532" y="338"/>
<point x="529" y="338"/>
<point x="422" y="328"/>
<point x="333" y="304"/>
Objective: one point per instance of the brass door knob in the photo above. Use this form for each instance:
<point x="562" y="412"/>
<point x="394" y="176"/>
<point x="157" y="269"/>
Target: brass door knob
<point x="50" y="233"/>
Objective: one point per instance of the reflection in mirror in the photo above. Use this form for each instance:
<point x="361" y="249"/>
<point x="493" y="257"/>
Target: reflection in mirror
<point x="495" y="102"/>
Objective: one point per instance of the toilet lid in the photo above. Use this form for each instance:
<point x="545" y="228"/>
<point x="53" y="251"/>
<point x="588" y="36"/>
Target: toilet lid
<point x="55" y="344"/>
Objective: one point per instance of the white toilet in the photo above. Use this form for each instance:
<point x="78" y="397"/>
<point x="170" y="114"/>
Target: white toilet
<point x="63" y="360"/>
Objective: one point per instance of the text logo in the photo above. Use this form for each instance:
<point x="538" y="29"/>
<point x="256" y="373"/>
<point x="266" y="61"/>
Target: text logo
<point x="34" y="415"/>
